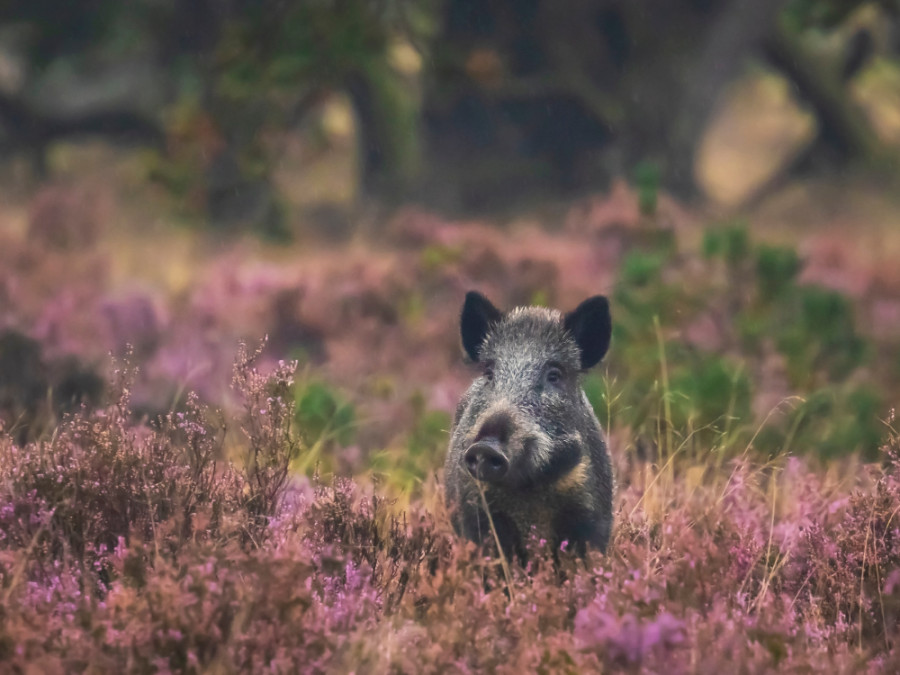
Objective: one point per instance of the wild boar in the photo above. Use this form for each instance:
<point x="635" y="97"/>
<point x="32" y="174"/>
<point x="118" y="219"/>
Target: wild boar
<point x="525" y="434"/>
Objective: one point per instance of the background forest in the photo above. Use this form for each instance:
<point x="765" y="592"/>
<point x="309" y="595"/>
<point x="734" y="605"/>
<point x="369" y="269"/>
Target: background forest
<point x="235" y="237"/>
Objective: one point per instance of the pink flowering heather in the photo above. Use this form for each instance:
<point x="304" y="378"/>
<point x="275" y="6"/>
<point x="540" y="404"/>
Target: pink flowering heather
<point x="131" y="546"/>
<point x="173" y="523"/>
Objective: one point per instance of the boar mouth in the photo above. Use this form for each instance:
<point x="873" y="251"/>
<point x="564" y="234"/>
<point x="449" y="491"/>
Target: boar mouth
<point x="485" y="461"/>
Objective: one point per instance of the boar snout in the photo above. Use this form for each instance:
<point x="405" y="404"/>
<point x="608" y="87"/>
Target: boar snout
<point x="485" y="461"/>
<point x="487" y="458"/>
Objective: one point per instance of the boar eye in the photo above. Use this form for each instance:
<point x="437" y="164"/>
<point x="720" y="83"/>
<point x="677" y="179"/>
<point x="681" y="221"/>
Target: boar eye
<point x="554" y="376"/>
<point x="489" y="374"/>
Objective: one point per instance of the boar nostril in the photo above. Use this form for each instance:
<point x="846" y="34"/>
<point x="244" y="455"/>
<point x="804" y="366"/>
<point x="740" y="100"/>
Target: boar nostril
<point x="485" y="461"/>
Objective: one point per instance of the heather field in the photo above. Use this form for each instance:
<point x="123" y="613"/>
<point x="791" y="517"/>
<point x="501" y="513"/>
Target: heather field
<point x="223" y="455"/>
<point x="236" y="237"/>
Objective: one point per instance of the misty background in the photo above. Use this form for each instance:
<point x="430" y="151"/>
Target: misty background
<point x="179" y="176"/>
<point x="258" y="113"/>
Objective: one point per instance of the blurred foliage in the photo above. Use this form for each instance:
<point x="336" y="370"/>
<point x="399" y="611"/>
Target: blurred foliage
<point x="671" y="391"/>
<point x="834" y="421"/>
<point x="713" y="392"/>
<point x="237" y="77"/>
<point x="437" y="256"/>
<point x="509" y="94"/>
<point x="730" y="242"/>
<point x="272" y="65"/>
<point x="35" y="392"/>
<point x="776" y="268"/>
<point x="818" y="335"/>
<point x="404" y="467"/>
<point x="78" y="27"/>
<point x="647" y="176"/>
<point x="801" y="14"/>
<point x="326" y="422"/>
<point x="240" y="74"/>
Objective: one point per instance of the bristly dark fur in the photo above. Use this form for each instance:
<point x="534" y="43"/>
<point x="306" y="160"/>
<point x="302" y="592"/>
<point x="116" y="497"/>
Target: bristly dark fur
<point x="530" y="402"/>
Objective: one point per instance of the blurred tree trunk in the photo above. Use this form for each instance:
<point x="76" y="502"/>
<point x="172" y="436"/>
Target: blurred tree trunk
<point x="843" y="125"/>
<point x="738" y="32"/>
<point x="580" y="91"/>
<point x="388" y="123"/>
<point x="546" y="97"/>
<point x="518" y="100"/>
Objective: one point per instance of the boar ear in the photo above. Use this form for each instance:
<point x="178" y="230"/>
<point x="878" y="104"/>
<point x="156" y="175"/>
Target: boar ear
<point x="591" y="326"/>
<point x="477" y="316"/>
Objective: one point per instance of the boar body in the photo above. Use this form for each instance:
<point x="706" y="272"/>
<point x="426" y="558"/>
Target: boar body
<point x="525" y="434"/>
